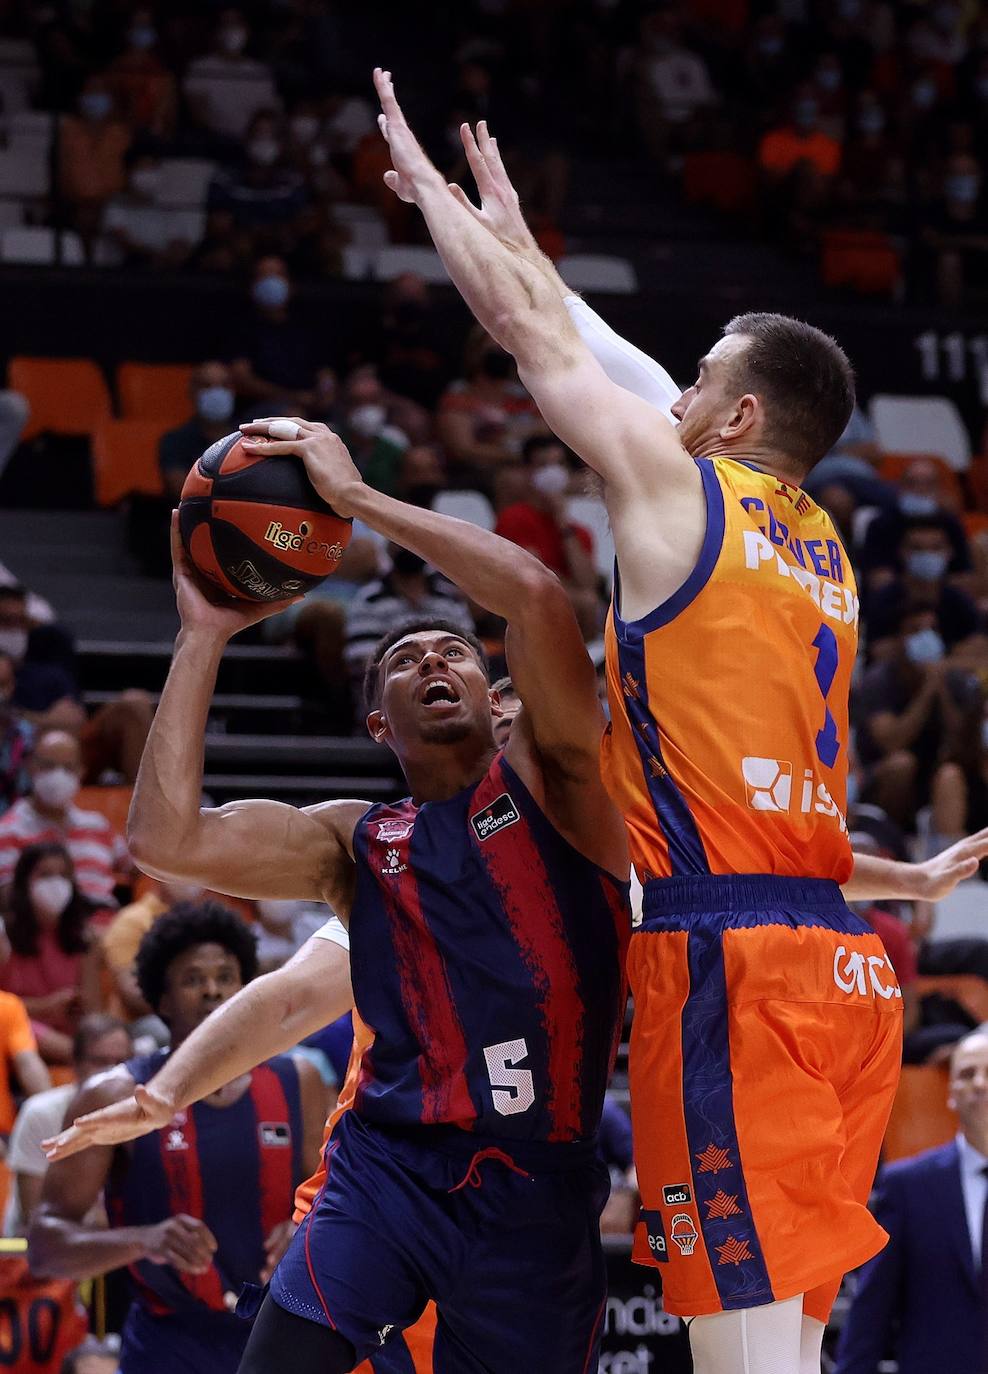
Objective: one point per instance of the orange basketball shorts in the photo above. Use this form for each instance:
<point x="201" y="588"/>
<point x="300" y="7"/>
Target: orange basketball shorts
<point x="765" y="1052"/>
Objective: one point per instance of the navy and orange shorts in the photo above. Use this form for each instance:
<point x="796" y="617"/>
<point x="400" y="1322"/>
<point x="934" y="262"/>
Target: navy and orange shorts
<point x="765" y="1053"/>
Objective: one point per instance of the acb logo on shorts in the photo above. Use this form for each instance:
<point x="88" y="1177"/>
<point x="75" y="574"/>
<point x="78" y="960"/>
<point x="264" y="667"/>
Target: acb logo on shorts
<point x="656" y="1232"/>
<point x="675" y="1194"/>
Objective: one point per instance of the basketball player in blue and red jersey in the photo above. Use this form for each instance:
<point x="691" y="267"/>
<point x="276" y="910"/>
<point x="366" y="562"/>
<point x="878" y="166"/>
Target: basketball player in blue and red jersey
<point x="488" y="921"/>
<point x="767" y="1036"/>
<point x="203" y="1204"/>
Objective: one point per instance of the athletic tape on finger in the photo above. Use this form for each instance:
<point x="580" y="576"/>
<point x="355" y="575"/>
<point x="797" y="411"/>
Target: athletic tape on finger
<point x="283" y="429"/>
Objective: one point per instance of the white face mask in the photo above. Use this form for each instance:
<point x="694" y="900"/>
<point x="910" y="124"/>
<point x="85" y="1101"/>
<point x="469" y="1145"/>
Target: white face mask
<point x="551" y="480"/>
<point x="233" y="40"/>
<point x="52" y="895"/>
<point x="368" y="420"/>
<point x="145" y="181"/>
<point x="56" y="786"/>
<point x="14" y="643"/>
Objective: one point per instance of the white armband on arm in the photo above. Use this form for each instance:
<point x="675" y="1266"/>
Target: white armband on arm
<point x="625" y="364"/>
<point x="336" y="931"/>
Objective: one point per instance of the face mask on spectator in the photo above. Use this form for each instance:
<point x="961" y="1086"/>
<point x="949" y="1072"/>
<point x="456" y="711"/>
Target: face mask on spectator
<point x="551" y="480"/>
<point x="924" y="94"/>
<point x="915" y="503"/>
<point x="925" y="646"/>
<point x="95" y="104"/>
<point x="871" y="121"/>
<point x="56" y="786"/>
<point x="368" y="420"/>
<point x="233" y="39"/>
<point x="304" y="128"/>
<point x="963" y="187"/>
<point x="51" y="895"/>
<point x="929" y="565"/>
<point x="271" y="291"/>
<point x="145" y="181"/>
<point x="264" y="151"/>
<point x="14" y="643"/>
<point x="214" y="404"/>
<point x="142" y="37"/>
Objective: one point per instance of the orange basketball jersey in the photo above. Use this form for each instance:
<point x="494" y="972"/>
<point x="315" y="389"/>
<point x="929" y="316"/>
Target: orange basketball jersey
<point x="727" y="751"/>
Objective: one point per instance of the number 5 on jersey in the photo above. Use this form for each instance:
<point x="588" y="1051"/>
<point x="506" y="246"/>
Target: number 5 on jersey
<point x="512" y="1089"/>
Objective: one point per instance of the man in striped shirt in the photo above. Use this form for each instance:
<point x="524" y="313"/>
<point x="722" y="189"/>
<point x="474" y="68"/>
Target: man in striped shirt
<point x="48" y="814"/>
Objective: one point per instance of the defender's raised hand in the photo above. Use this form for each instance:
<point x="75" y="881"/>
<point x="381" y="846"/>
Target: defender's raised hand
<point x="500" y="208"/>
<point x="412" y="166"/>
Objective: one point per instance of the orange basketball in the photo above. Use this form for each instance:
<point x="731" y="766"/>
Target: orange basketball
<point x="254" y="525"/>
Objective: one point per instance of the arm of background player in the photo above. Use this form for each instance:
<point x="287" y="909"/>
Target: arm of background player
<point x="620" y="436"/>
<point x="500" y="214"/>
<point x="562" y="707"/>
<point x="246" y="848"/>
<point x="878" y="878"/>
<point x="61" y="1244"/>
<point x="267" y="1017"/>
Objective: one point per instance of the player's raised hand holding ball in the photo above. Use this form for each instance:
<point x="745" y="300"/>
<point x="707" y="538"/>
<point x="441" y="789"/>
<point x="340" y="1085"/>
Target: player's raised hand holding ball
<point x="327" y="460"/>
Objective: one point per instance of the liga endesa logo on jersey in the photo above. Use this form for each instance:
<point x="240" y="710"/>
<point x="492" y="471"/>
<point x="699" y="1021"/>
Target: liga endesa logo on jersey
<point x="495" y="817"/>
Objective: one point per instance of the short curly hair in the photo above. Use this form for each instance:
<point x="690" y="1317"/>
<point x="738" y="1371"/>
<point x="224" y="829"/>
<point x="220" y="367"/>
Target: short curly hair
<point x="184" y="925"/>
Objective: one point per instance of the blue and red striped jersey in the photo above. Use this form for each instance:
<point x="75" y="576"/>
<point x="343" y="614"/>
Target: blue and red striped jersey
<point x="235" y="1168"/>
<point x="487" y="959"/>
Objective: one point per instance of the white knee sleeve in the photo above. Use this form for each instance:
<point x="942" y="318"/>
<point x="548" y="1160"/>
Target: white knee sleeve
<point x="756" y="1340"/>
<point x="810" y="1346"/>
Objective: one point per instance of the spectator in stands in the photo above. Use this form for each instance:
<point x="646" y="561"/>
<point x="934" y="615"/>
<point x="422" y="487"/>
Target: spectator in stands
<point x="408" y="591"/>
<point x="954" y="231"/>
<point x="190" y="962"/>
<point x="141" y="83"/>
<point x="872" y="190"/>
<point x="145" y="233"/>
<point x="674" y="85"/>
<point x="214" y="403"/>
<point x="799" y="163"/>
<point x="540" y="523"/>
<point x="16" y="740"/>
<point x="49" y="815"/>
<point x="91" y="150"/>
<point x="279" y="366"/>
<point x="421" y="475"/>
<point x="923" y="557"/>
<point x="960" y="788"/>
<point x="410" y="347"/>
<point x="52" y="965"/>
<point x="262" y="198"/>
<point x="483" y="421"/>
<point x="224" y="89"/>
<point x="911" y="709"/>
<point x="375" y="445"/>
<point x="99" y="1043"/>
<point x="920" y="494"/>
<point x="851" y="464"/>
<point x="19" y="1057"/>
<point x="94" y="1356"/>
<point x="363" y="386"/>
<point x="921" y="1298"/>
<point x="14" y="415"/>
<point x="45" y="689"/>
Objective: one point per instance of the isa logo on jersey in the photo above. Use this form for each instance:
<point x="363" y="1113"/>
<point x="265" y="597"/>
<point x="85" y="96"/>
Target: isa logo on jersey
<point x="656" y="1232"/>
<point x="768" y="783"/>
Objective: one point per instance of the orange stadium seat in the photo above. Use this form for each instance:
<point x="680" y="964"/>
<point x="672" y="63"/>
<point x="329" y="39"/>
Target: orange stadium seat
<point x="920" y="1118"/>
<point x="724" y="180"/>
<point x="155" y="391"/>
<point x="893" y="465"/>
<point x="977" y="482"/>
<point x="864" y="259"/>
<point x="112" y="802"/>
<point x="66" y="395"/>
<point x="125" y="458"/>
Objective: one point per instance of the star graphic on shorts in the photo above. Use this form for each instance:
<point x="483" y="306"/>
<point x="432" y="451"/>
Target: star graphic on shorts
<point x="734" y="1251"/>
<point x="712" y="1160"/>
<point x="722" y="1205"/>
<point x="655" y="768"/>
<point x="631" y="686"/>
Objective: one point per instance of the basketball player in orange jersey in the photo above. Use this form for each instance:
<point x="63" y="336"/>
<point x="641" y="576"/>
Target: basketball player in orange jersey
<point x="767" y="1038"/>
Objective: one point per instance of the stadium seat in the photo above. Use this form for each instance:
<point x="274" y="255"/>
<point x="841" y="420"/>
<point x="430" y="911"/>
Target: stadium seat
<point x="22" y="172"/>
<point x="125" y="458"/>
<point x="724" y="180"/>
<point x="472" y="506"/>
<point x="111" y="802"/>
<point x="66" y="395"/>
<point x="922" y="424"/>
<point x="893" y="465"/>
<point x="393" y="260"/>
<point x="865" y="260"/>
<point x="38" y="123"/>
<point x="357" y="262"/>
<point x="11" y="214"/>
<point x="155" y="391"/>
<point x="184" y="182"/>
<point x="920" y="1118"/>
<point x="598" y="272"/>
<point x="39" y="246"/>
<point x="591" y="512"/>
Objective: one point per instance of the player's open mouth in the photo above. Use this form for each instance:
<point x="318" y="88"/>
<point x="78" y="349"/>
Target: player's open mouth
<point x="439" y="693"/>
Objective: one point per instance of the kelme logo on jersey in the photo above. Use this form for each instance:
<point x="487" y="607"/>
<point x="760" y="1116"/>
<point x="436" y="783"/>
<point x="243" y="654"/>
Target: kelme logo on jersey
<point x="495" y="817"/>
<point x="656" y="1232"/>
<point x="274" y="1134"/>
<point x="676" y="1194"/>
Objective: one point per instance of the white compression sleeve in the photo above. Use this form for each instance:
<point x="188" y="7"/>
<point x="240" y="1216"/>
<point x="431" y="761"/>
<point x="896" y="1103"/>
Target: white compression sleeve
<point x="625" y="364"/>
<point x="754" y="1340"/>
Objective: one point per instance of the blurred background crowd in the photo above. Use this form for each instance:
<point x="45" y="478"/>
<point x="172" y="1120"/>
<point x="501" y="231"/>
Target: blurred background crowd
<point x="227" y="159"/>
